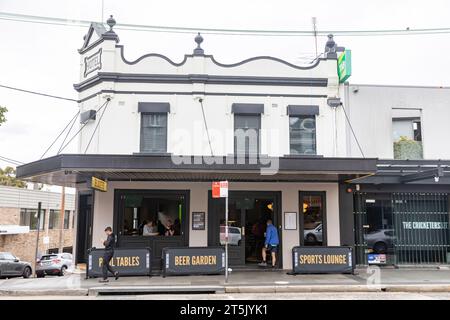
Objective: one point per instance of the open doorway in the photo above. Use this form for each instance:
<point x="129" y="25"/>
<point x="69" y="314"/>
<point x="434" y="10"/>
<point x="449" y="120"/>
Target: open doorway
<point x="248" y="213"/>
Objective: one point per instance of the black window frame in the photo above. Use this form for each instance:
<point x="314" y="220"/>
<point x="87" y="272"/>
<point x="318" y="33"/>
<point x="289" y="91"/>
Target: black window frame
<point x="67" y="219"/>
<point x="323" y="195"/>
<point x="299" y="130"/>
<point x="25" y="218"/>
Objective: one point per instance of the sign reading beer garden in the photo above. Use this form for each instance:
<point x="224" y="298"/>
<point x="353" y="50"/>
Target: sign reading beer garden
<point x="345" y="66"/>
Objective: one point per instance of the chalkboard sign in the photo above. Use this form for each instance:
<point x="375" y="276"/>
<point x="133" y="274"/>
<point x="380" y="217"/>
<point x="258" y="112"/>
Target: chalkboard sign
<point x="322" y="260"/>
<point x="193" y="260"/>
<point x="128" y="262"/>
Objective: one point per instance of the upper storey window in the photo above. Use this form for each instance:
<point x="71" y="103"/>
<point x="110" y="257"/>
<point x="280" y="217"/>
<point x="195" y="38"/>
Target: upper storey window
<point x="153" y="127"/>
<point x="302" y="129"/>
<point x="247" y="127"/>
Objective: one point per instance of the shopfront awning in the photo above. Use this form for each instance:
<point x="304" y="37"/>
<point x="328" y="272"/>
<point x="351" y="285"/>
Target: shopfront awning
<point x="13" y="229"/>
<point x="71" y="169"/>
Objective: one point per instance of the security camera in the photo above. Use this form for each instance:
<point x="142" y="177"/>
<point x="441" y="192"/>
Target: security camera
<point x="436" y="179"/>
<point x="355" y="89"/>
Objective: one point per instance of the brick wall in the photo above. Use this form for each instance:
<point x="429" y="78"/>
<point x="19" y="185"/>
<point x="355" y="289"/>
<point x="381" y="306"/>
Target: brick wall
<point x="24" y="245"/>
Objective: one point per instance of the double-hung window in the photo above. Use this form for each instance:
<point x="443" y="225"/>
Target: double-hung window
<point x="153" y="127"/>
<point x="302" y="130"/>
<point x="247" y="127"/>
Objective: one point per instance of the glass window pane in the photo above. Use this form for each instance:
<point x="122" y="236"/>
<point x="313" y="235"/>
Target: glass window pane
<point x="153" y="215"/>
<point x="246" y="134"/>
<point x="312" y="206"/>
<point x="302" y="135"/>
<point x="154" y="132"/>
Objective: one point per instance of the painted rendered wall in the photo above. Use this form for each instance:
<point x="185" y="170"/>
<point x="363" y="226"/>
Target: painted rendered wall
<point x="370" y="109"/>
<point x="119" y="130"/>
<point x="103" y="209"/>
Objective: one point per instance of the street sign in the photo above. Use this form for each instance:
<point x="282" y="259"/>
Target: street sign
<point x="99" y="184"/>
<point x="220" y="189"/>
<point x="345" y="66"/>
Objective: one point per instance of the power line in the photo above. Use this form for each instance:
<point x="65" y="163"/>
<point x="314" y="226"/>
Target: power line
<point x="59" y="135"/>
<point x="82" y="127"/>
<point x="206" y="126"/>
<point x="221" y="31"/>
<point x="95" y="129"/>
<point x="11" y="161"/>
<point x="38" y="93"/>
<point x="353" y="132"/>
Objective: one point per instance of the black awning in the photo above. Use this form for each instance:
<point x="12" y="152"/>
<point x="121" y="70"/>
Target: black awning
<point x="247" y="108"/>
<point x="302" y="110"/>
<point x="154" y="107"/>
<point x="69" y="169"/>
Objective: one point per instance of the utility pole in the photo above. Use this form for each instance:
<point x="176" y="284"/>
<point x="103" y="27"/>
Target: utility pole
<point x="61" y="223"/>
<point x="37" y="237"/>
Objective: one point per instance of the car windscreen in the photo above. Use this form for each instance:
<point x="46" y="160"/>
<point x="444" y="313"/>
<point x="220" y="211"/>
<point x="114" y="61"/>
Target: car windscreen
<point x="48" y="257"/>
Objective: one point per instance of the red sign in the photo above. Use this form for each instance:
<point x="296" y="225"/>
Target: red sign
<point x="220" y="189"/>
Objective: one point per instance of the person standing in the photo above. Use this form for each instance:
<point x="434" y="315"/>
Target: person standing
<point x="109" y="244"/>
<point x="271" y="244"/>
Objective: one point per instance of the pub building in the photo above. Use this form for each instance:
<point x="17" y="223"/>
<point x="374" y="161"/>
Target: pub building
<point x="159" y="132"/>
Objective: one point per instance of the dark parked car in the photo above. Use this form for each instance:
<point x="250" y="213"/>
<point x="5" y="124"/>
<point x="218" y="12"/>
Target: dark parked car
<point x="10" y="266"/>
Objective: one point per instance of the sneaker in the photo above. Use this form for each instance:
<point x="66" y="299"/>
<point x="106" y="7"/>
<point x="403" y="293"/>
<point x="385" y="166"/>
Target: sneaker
<point x="262" y="264"/>
<point x="116" y="274"/>
<point x="103" y="280"/>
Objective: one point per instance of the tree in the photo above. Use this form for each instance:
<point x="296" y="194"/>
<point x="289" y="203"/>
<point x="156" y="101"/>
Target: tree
<point x="8" y="178"/>
<point x="3" y="112"/>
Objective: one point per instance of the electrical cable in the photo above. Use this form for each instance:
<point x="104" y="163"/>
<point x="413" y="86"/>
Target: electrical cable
<point x="353" y="132"/>
<point x="221" y="31"/>
<point x="38" y="93"/>
<point x="68" y="132"/>
<point x="206" y="127"/>
<point x="82" y="127"/>
<point x="11" y="161"/>
<point x="59" y="135"/>
<point x="98" y="123"/>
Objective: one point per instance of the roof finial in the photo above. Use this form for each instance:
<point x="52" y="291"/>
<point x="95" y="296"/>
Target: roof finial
<point x="111" y="22"/>
<point x="198" y="51"/>
<point x="330" y="47"/>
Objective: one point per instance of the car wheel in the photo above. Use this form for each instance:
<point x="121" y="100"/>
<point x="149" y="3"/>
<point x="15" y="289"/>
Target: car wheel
<point x="40" y="275"/>
<point x="380" y="247"/>
<point x="311" y="238"/>
<point x="63" y="271"/>
<point x="26" y="273"/>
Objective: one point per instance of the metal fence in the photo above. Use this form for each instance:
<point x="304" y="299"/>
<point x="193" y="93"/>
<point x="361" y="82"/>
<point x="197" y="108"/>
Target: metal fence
<point x="408" y="228"/>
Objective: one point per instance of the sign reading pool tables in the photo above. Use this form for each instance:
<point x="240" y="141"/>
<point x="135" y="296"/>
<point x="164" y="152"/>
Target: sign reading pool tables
<point x="322" y="260"/>
<point x="193" y="260"/>
<point x="128" y="262"/>
<point x="99" y="184"/>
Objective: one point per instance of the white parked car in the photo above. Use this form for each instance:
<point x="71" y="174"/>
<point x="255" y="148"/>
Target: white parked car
<point x="313" y="235"/>
<point x="234" y="236"/>
<point x="53" y="264"/>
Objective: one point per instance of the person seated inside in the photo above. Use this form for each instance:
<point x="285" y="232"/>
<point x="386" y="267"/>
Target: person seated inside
<point x="150" y="229"/>
<point x="169" y="231"/>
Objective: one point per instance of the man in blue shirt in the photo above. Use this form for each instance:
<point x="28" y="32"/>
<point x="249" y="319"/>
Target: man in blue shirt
<point x="271" y="244"/>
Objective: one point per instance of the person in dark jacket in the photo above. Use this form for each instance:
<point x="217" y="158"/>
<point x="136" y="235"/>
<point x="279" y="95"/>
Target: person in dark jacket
<point x="109" y="244"/>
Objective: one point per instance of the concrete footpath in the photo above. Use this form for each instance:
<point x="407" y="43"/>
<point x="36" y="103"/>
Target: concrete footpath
<point x="247" y="282"/>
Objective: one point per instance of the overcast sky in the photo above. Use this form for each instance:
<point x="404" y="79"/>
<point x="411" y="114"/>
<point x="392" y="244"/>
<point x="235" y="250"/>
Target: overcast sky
<point x="44" y="57"/>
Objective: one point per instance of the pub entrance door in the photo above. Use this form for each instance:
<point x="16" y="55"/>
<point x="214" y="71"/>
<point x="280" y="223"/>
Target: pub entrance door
<point x="248" y="214"/>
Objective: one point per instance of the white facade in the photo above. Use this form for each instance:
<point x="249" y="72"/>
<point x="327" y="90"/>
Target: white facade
<point x="106" y="73"/>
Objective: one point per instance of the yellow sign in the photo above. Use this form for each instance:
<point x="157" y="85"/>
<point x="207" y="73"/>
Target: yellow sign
<point x="99" y="184"/>
<point x="195" y="260"/>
